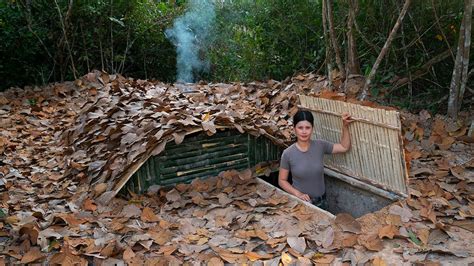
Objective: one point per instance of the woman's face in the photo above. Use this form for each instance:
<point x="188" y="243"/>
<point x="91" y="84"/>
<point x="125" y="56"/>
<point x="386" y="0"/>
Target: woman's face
<point x="303" y="130"/>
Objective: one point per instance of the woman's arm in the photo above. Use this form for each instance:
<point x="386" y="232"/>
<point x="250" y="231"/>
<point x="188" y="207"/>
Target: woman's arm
<point x="345" y="144"/>
<point x="285" y="185"/>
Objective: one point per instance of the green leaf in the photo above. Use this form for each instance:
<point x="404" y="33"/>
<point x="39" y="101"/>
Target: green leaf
<point x="3" y="214"/>
<point x="413" y="238"/>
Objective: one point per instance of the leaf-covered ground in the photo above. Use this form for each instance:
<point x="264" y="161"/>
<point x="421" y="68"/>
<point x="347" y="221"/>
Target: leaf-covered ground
<point x="65" y="147"/>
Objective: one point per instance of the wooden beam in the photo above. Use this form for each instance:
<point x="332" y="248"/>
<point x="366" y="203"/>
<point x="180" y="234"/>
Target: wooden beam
<point x="353" y="118"/>
<point x="362" y="185"/>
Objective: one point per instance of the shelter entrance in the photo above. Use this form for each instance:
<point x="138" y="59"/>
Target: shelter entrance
<point x="369" y="177"/>
<point x="373" y="173"/>
<point x="202" y="156"/>
<point x="344" y="196"/>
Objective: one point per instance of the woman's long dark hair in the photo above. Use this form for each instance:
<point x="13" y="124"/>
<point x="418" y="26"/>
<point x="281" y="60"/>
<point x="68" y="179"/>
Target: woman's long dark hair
<point x="303" y="115"/>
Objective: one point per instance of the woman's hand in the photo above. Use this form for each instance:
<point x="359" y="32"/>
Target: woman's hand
<point x="303" y="196"/>
<point x="346" y="119"/>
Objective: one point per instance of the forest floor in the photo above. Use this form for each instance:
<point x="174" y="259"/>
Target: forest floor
<point x="45" y="217"/>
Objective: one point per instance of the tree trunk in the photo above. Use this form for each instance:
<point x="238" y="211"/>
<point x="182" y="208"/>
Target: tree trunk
<point x="64" y="29"/>
<point x="387" y="44"/>
<point x="461" y="65"/>
<point x="353" y="66"/>
<point x="327" y="42"/>
<point x="332" y="34"/>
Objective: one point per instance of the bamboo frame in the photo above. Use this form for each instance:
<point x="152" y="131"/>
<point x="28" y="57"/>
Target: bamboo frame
<point x="376" y="157"/>
<point x="134" y="167"/>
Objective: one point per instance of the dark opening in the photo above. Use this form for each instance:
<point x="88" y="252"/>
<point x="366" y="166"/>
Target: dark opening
<point x="343" y="197"/>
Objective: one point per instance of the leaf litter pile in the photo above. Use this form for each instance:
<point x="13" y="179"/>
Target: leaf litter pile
<point x="66" y="148"/>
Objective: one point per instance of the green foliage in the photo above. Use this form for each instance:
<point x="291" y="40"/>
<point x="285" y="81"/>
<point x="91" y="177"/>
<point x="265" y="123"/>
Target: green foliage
<point x="414" y="238"/>
<point x="253" y="40"/>
<point x="113" y="35"/>
<point x="422" y="41"/>
<point x="257" y="40"/>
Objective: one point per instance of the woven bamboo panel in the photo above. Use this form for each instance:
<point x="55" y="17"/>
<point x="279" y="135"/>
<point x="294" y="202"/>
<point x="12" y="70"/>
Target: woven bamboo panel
<point x="376" y="155"/>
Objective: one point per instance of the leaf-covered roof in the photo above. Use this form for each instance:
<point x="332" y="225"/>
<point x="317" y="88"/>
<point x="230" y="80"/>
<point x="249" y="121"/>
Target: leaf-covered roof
<point x="127" y="120"/>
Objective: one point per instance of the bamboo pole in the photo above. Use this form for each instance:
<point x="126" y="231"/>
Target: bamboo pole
<point x="353" y="118"/>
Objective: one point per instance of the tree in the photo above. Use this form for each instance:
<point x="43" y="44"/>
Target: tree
<point x="327" y="41"/>
<point x="332" y="35"/>
<point x="461" y="65"/>
<point x="385" y="48"/>
<point x="352" y="66"/>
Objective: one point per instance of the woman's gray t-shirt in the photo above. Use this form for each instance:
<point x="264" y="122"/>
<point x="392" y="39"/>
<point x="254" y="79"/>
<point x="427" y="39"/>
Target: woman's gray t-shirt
<point x="307" y="169"/>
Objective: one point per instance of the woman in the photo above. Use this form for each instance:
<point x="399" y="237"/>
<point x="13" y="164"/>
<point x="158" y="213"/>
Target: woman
<point x="304" y="159"/>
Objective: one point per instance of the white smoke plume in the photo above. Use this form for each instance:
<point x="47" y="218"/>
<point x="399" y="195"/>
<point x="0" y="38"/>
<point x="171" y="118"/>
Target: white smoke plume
<point x="190" y="34"/>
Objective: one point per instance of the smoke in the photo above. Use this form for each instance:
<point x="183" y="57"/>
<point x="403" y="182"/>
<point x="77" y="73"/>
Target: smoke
<point x="190" y="34"/>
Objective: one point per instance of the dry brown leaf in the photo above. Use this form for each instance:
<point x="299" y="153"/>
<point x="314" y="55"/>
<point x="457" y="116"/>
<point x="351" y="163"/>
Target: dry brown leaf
<point x="347" y="223"/>
<point x="224" y="199"/>
<point x="162" y="237"/>
<point x="428" y="213"/>
<point x="297" y="243"/>
<point x="404" y="213"/>
<point x="131" y="210"/>
<point x="128" y="254"/>
<point x="31" y="230"/>
<point x="325" y="259"/>
<point x="349" y="240"/>
<point x="109" y="250"/>
<point x="253" y="256"/>
<point x="303" y="261"/>
<point x="328" y="237"/>
<point x="245" y="174"/>
<point x="419" y="171"/>
<point x="294" y="253"/>
<point x="378" y="261"/>
<point x="388" y="231"/>
<point x="423" y="235"/>
<point x="209" y="127"/>
<point x="393" y="219"/>
<point x="327" y="94"/>
<point x="466" y="224"/>
<point x="149" y="216"/>
<point x="233" y="257"/>
<point x="33" y="255"/>
<point x="274" y="241"/>
<point x="371" y="242"/>
<point x="100" y="188"/>
<point x="428" y="263"/>
<point x="215" y="261"/>
<point x="446" y="143"/>
<point x="173" y="195"/>
<point x="179" y="137"/>
<point x="66" y="258"/>
<point x="89" y="205"/>
<point x="261" y="234"/>
<point x="159" y="148"/>
<point x="167" y="250"/>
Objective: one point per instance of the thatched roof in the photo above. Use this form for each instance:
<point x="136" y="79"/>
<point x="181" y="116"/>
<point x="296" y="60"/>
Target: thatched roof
<point x="131" y="120"/>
